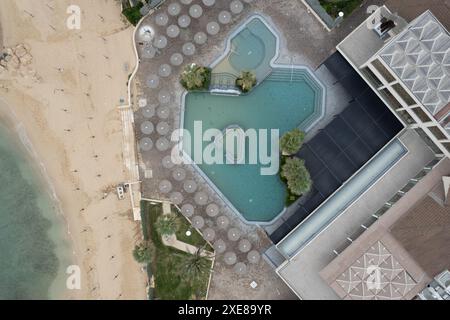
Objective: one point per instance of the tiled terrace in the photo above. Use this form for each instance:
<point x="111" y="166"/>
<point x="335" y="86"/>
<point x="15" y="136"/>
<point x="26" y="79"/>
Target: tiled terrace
<point x="178" y="33"/>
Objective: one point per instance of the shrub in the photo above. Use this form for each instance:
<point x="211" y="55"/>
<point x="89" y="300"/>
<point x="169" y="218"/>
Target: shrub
<point x="143" y="253"/>
<point x="292" y="141"/>
<point x="195" y="77"/>
<point x="297" y="176"/>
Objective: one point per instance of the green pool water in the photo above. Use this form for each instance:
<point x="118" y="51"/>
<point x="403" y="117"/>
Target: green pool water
<point x="288" y="98"/>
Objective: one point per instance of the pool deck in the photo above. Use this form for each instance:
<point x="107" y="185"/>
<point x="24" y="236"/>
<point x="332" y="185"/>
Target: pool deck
<point x="308" y="45"/>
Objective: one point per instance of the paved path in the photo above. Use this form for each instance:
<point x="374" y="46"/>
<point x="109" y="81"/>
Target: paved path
<point x="129" y="157"/>
<point x="172" y="241"/>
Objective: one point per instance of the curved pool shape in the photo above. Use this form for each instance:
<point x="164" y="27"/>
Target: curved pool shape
<point x="247" y="51"/>
<point x="288" y="98"/>
<point x="251" y="48"/>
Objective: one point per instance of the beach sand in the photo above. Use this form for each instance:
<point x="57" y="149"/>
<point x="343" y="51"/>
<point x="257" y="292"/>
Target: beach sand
<point x="66" y="99"/>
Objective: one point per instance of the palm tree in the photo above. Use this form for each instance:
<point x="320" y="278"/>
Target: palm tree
<point x="143" y="253"/>
<point x="195" y="77"/>
<point x="292" y="141"/>
<point x="196" y="267"/>
<point x="167" y="224"/>
<point x="246" y="81"/>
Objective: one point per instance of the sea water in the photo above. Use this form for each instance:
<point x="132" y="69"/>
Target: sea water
<point x="34" y="248"/>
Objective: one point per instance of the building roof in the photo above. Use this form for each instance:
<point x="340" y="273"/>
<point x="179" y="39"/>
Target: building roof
<point x="301" y="272"/>
<point x="360" y="280"/>
<point x="407" y="245"/>
<point x="425" y="233"/>
<point x="420" y="57"/>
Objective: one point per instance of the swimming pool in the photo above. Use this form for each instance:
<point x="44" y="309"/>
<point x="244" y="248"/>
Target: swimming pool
<point x="286" y="98"/>
<point x="253" y="47"/>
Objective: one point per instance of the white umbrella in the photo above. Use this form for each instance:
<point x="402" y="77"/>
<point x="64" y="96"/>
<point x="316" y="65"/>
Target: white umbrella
<point x="209" y="234"/>
<point x="174" y="9"/>
<point x="234" y="234"/>
<point x="176" y="59"/>
<point x="160" y="42"/>
<point x="187" y="210"/>
<point x="230" y="258"/>
<point x="162" y="144"/>
<point x="163" y="112"/>
<point x="209" y="3"/>
<point x="184" y="21"/>
<point x="165" y="186"/>
<point x="162" y="128"/>
<point x="253" y="256"/>
<point x="240" y="268"/>
<point x="244" y="245"/>
<point x="222" y="222"/>
<point x="161" y="19"/>
<point x="147" y="127"/>
<point x="173" y="31"/>
<point x="190" y="186"/>
<point x="164" y="97"/>
<point x="146" y="144"/>
<point x="188" y="48"/>
<point x="198" y="222"/>
<point x="212" y="28"/>
<point x="201" y="198"/>
<point x="212" y="210"/>
<point x="167" y="162"/>
<point x="220" y="246"/>
<point x="195" y="11"/>
<point x="165" y="70"/>
<point x="224" y="17"/>
<point x="236" y="6"/>
<point x="179" y="174"/>
<point x="176" y="198"/>
<point x="200" y="37"/>
<point x="152" y="81"/>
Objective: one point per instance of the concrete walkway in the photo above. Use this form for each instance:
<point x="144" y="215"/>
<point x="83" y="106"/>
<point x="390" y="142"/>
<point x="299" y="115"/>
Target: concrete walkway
<point x="172" y="241"/>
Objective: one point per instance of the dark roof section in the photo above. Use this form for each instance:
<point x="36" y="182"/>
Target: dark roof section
<point x="349" y="141"/>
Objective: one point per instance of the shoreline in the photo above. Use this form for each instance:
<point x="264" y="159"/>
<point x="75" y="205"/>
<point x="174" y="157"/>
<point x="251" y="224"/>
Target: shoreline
<point x="9" y="121"/>
<point x="79" y="149"/>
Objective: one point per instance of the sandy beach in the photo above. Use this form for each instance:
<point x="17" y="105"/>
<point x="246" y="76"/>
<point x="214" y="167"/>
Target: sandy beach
<point x="65" y="93"/>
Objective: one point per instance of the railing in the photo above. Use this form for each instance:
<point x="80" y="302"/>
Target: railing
<point x="223" y="81"/>
<point x="386" y="206"/>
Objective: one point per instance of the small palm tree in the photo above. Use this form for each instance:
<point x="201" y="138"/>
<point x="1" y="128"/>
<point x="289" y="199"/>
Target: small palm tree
<point x="167" y="224"/>
<point x="195" y="77"/>
<point x="246" y="81"/>
<point x="143" y="253"/>
<point x="196" y="267"/>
